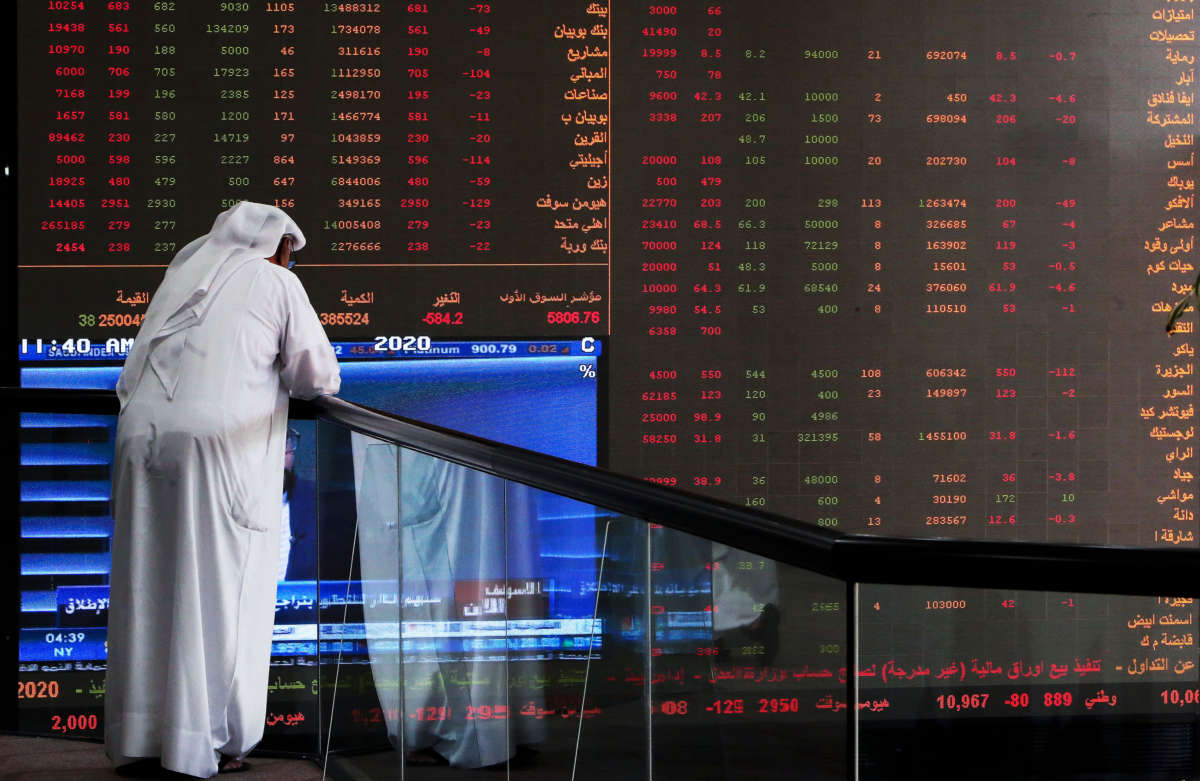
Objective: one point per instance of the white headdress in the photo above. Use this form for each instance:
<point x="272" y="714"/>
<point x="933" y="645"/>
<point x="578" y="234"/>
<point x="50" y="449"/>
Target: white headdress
<point x="244" y="233"/>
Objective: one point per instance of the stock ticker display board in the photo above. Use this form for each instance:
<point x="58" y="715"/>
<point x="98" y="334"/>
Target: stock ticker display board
<point x="879" y="267"/>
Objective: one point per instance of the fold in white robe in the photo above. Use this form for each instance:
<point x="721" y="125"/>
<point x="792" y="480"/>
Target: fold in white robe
<point x="423" y="525"/>
<point x="197" y="486"/>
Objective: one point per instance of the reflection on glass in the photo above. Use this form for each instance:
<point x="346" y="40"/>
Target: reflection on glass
<point x="520" y="616"/>
<point x="573" y="708"/>
<point x="1072" y="683"/>
<point x="748" y="664"/>
<point x="498" y="626"/>
<point x="745" y="616"/>
<point x="351" y="714"/>
<point x="454" y="609"/>
<point x="377" y="507"/>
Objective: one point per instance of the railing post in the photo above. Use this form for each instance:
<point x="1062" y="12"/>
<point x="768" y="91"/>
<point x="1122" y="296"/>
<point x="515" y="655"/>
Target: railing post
<point x="851" y="603"/>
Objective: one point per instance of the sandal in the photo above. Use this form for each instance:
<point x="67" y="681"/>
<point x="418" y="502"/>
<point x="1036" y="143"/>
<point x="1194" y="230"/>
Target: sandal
<point x="223" y="766"/>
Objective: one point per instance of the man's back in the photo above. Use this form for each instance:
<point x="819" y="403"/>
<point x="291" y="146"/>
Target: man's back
<point x="197" y="481"/>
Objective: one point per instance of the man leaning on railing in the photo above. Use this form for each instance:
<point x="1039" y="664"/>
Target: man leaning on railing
<point x="197" y="479"/>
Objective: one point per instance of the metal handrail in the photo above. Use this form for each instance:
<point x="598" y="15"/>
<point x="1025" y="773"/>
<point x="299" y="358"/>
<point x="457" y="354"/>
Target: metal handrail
<point x="848" y="557"/>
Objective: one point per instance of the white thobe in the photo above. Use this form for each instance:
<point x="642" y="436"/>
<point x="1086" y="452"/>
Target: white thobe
<point x="440" y="523"/>
<point x="197" y="481"/>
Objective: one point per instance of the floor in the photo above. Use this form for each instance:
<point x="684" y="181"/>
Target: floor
<point x="43" y="759"/>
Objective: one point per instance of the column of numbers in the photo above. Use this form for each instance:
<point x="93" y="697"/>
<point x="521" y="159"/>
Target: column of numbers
<point x="118" y="178"/>
<point x="231" y="92"/>
<point x="476" y="182"/>
<point x="161" y="169"/>
<point x="282" y="22"/>
<point x="65" y="222"/>
<point x="712" y="245"/>
<point x="658" y="298"/>
<point x="415" y="202"/>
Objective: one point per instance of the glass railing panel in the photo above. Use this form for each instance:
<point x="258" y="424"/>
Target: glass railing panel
<point x="1030" y="684"/>
<point x="453" y="615"/>
<point x="577" y="644"/>
<point x="522" y="617"/>
<point x="544" y="637"/>
<point x="747" y="665"/>
<point x="360" y="688"/>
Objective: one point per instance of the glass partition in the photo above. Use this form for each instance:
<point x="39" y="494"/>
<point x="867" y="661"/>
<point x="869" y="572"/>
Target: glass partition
<point x="471" y="622"/>
<point x="433" y="619"/>
<point x="519" y="615"/>
<point x="748" y="665"/>
<point x="357" y="509"/>
<point x="1071" y="685"/>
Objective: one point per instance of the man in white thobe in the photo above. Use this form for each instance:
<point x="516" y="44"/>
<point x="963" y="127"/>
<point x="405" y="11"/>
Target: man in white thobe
<point x="441" y="523"/>
<point x="197" y="478"/>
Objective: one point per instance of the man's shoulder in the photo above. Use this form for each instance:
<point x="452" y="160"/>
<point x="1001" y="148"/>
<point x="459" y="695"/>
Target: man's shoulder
<point x="280" y="280"/>
<point x="283" y="275"/>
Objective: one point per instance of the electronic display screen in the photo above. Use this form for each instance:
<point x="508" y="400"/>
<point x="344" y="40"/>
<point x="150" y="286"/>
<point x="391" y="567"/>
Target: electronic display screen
<point x="883" y="268"/>
<point x="540" y="395"/>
